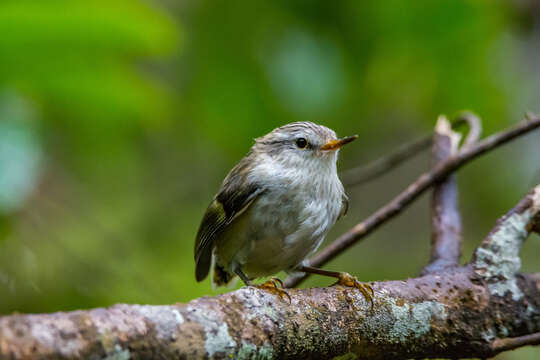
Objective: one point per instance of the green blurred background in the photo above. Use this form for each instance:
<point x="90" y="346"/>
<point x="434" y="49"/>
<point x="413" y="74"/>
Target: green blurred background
<point x="119" y="119"/>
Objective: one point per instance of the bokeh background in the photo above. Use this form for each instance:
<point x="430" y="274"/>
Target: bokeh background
<point x="119" y="119"/>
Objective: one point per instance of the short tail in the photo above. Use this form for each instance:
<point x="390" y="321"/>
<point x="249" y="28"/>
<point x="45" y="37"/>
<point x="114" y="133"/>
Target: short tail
<point x="221" y="276"/>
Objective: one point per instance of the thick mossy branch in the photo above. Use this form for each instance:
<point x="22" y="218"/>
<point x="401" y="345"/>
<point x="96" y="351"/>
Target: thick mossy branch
<point x="460" y="313"/>
<point x="451" y="315"/>
<point x="497" y="259"/>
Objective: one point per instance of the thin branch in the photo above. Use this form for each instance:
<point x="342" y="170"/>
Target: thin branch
<point x="378" y="167"/>
<point x="501" y="345"/>
<point x="445" y="219"/>
<point x="475" y="127"/>
<point x="413" y="191"/>
<point x="535" y="276"/>
<point x="372" y="170"/>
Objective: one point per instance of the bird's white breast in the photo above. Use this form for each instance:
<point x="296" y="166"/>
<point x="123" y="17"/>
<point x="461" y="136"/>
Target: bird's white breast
<point x="288" y="221"/>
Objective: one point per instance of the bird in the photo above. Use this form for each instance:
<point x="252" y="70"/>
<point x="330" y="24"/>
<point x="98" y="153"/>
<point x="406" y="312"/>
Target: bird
<point x="274" y="209"/>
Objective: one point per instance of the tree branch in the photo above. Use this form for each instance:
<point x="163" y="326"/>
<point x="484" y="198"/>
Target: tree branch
<point x="475" y="127"/>
<point x="445" y="316"/>
<point x="497" y="258"/>
<point x="412" y="192"/>
<point x="445" y="219"/>
<point x="471" y="311"/>
<point x="374" y="169"/>
<point x="501" y="345"/>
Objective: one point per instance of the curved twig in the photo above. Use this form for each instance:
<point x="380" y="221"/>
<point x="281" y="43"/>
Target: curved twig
<point x="474" y="124"/>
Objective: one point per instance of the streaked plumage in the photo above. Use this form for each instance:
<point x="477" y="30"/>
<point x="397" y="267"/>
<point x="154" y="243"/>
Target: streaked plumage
<point x="274" y="208"/>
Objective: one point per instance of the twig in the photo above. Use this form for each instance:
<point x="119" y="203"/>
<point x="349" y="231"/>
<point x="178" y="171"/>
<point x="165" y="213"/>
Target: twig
<point x="412" y="192"/>
<point x="501" y="345"/>
<point x="372" y="170"/>
<point x="535" y="276"/>
<point x="378" y="167"/>
<point x="445" y="219"/>
<point x="475" y="127"/>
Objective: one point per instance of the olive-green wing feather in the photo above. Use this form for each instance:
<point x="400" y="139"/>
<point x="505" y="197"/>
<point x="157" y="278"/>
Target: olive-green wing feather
<point x="233" y="199"/>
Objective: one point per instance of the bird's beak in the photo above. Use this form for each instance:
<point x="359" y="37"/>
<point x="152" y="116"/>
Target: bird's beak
<point x="336" y="144"/>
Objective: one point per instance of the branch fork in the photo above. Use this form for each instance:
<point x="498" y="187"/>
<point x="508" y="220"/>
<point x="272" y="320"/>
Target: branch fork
<point x="441" y="170"/>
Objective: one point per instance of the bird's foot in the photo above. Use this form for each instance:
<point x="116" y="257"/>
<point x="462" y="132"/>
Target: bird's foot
<point x="275" y="286"/>
<point x="346" y="279"/>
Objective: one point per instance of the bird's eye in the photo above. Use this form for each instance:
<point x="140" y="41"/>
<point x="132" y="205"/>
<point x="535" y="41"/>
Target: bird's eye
<point x="301" y="143"/>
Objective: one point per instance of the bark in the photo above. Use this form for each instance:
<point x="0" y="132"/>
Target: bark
<point x="445" y="219"/>
<point x="473" y="311"/>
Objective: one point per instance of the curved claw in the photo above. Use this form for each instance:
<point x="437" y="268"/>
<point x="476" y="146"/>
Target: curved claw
<point x="346" y="279"/>
<point x="275" y="279"/>
<point x="275" y="285"/>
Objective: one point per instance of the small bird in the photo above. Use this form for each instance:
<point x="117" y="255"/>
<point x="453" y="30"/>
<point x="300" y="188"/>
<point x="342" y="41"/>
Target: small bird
<point x="274" y="209"/>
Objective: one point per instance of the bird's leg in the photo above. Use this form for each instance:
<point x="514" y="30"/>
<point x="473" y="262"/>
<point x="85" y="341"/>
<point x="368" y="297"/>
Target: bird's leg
<point x="273" y="285"/>
<point x="344" y="279"/>
<point x="242" y="276"/>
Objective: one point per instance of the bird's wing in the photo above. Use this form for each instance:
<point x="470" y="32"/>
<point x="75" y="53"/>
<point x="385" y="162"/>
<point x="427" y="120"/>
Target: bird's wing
<point x="344" y="206"/>
<point x="234" y="197"/>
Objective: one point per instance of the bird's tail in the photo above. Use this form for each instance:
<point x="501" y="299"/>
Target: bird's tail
<point x="222" y="277"/>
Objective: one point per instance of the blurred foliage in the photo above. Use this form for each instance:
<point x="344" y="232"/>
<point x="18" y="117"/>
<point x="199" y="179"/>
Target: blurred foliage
<point x="116" y="127"/>
<point x="77" y="59"/>
<point x="20" y="153"/>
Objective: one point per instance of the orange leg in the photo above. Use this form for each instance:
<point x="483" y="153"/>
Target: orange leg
<point x="274" y="285"/>
<point x="344" y="279"/>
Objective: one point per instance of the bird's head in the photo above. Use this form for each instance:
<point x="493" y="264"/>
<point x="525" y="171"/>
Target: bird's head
<point x="302" y="144"/>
